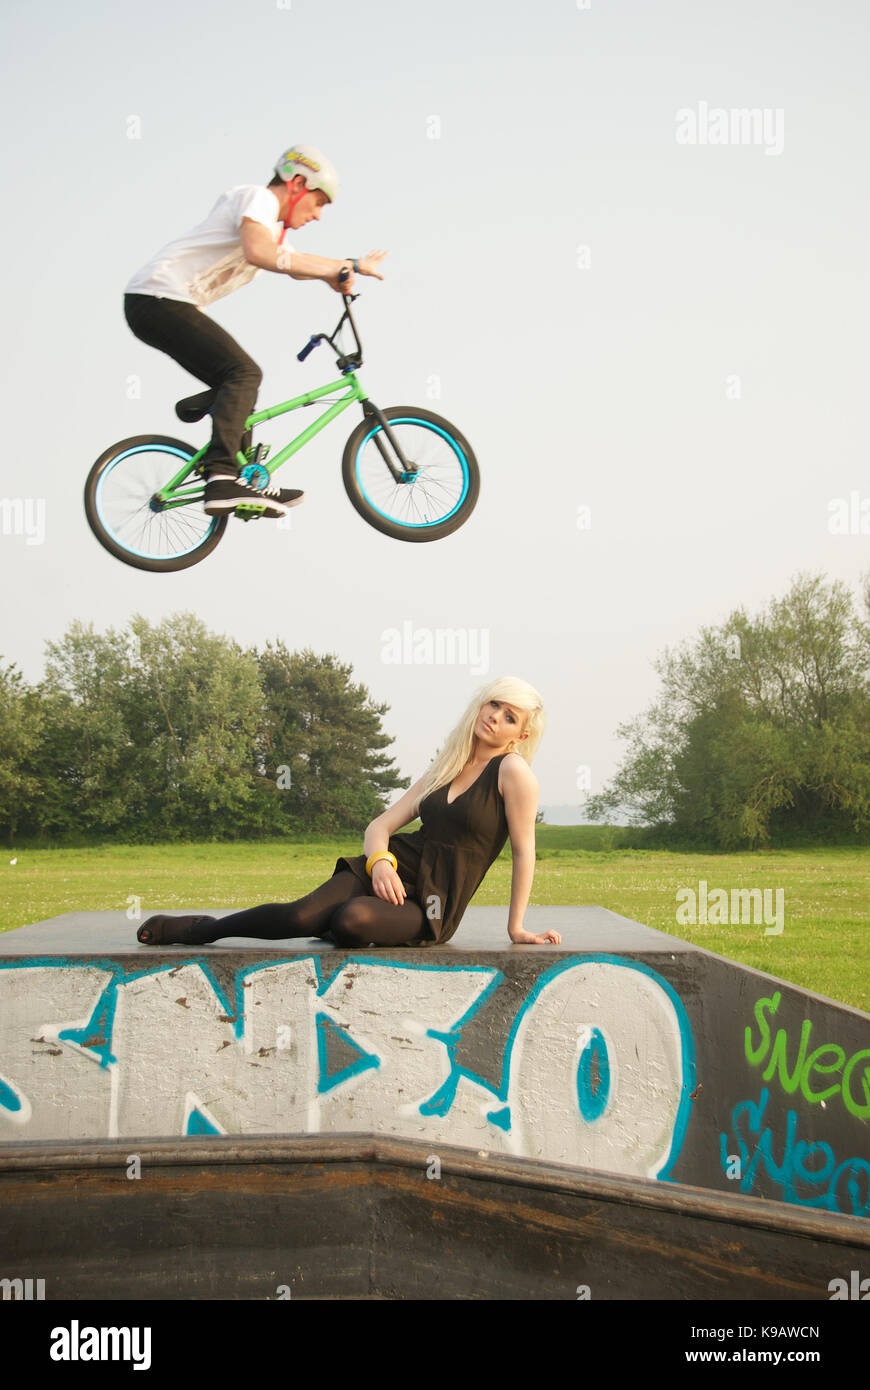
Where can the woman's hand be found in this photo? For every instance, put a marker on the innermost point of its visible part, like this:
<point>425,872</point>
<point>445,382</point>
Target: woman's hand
<point>386,883</point>
<point>527,938</point>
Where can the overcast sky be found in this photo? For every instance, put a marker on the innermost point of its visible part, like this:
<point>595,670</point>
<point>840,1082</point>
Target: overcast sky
<point>630,301</point>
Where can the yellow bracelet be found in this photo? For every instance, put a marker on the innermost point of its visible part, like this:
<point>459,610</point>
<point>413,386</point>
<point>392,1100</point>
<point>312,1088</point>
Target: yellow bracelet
<point>381,854</point>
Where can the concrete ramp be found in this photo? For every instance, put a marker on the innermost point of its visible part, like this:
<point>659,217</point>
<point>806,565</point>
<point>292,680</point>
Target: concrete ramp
<point>624,1051</point>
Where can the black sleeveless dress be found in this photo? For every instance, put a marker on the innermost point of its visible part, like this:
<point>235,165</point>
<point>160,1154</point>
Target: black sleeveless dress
<point>444,862</point>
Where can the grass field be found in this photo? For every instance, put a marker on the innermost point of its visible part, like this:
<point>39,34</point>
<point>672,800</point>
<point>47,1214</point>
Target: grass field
<point>825,944</point>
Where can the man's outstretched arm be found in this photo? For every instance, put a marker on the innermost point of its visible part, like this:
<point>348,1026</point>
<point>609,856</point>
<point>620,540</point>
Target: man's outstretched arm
<point>260,250</point>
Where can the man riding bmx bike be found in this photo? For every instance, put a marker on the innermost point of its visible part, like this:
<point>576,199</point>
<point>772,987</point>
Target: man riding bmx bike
<point>164,301</point>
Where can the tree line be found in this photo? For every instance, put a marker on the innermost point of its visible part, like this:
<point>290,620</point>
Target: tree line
<point>168,731</point>
<point>761,731</point>
<point>760,734</point>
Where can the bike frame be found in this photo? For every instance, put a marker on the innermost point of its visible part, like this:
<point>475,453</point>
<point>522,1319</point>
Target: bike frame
<point>172,494</point>
<point>353,393</point>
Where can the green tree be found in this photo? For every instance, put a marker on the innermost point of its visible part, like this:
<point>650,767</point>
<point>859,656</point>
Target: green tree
<point>325,732</point>
<point>761,729</point>
<point>167,730</point>
<point>85,753</point>
<point>20,734</point>
<point>192,702</point>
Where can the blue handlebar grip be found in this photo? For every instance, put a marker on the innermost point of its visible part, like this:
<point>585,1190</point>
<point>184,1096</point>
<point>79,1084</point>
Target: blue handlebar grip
<point>342,275</point>
<point>309,347</point>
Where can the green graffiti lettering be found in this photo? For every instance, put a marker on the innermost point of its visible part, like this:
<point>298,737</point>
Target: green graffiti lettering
<point>825,1061</point>
<point>825,1068</point>
<point>779,1059</point>
<point>755,1056</point>
<point>852,1105</point>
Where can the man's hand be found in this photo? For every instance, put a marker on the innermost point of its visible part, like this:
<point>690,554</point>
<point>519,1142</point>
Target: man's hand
<point>386,883</point>
<point>527,938</point>
<point>368,265</point>
<point>342,280</point>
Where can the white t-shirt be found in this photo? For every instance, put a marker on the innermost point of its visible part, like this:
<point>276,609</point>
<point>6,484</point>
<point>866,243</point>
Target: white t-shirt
<point>208,262</point>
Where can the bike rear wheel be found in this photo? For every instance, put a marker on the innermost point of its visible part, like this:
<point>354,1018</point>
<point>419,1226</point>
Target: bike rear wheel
<point>133,523</point>
<point>432,501</point>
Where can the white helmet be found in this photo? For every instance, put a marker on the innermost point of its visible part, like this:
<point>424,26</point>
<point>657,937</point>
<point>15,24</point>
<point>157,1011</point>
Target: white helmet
<point>313,166</point>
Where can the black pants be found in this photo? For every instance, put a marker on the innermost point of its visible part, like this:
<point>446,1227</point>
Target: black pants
<point>207,351</point>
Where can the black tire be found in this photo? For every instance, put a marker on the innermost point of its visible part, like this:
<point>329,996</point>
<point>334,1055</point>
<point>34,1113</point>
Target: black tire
<point>167,540</point>
<point>432,512</point>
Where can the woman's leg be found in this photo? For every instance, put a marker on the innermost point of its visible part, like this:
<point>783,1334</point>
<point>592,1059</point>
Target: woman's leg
<point>341,907</point>
<point>369,921</point>
<point>308,916</point>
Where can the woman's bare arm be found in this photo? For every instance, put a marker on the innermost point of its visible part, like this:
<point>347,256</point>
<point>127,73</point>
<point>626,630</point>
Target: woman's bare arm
<point>385,881</point>
<point>519,787</point>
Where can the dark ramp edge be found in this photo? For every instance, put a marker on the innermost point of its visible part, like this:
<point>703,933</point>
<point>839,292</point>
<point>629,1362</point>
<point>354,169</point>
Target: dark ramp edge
<point>356,1216</point>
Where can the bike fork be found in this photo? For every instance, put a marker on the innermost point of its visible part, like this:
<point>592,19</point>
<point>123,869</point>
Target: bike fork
<point>369,408</point>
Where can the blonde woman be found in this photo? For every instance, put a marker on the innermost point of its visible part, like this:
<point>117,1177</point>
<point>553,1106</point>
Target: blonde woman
<point>411,889</point>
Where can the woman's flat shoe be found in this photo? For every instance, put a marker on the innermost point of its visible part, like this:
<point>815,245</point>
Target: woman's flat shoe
<point>171,931</point>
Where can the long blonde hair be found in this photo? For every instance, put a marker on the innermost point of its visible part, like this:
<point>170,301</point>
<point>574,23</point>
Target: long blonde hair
<point>456,749</point>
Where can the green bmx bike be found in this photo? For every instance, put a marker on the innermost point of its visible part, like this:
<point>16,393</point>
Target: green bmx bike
<point>409,474</point>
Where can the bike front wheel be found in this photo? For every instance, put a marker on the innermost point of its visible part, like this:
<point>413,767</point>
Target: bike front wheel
<point>430,499</point>
<point>131,515</point>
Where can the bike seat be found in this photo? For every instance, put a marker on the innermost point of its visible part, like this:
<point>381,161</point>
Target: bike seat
<point>194,408</point>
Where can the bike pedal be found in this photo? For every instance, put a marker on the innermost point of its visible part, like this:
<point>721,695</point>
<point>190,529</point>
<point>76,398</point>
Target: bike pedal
<point>258,452</point>
<point>248,513</point>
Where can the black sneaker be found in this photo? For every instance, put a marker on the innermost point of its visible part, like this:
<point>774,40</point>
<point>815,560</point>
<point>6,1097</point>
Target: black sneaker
<point>225,494</point>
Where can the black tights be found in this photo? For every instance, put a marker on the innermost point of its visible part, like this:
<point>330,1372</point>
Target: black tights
<point>341,908</point>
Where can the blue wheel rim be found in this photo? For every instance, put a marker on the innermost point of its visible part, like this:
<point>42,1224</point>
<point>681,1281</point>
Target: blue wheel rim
<point>420,424</point>
<point>184,456</point>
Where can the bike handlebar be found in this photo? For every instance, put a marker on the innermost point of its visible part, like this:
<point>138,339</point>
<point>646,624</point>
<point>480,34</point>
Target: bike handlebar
<point>316,339</point>
<point>309,347</point>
